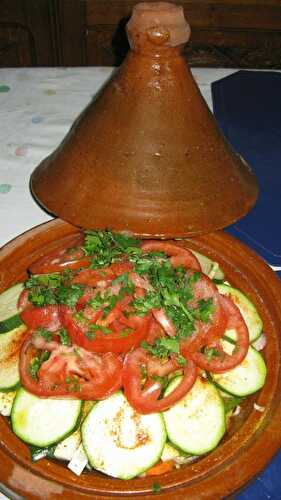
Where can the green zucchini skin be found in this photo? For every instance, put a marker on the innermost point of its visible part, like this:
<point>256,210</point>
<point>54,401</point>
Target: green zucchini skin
<point>247,309</point>
<point>9,312</point>
<point>10,345</point>
<point>209,267</point>
<point>197,423</point>
<point>43,421</point>
<point>246,378</point>
<point>119,441</point>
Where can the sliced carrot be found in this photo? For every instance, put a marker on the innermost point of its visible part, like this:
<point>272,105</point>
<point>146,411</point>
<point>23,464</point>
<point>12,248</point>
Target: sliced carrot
<point>160,468</point>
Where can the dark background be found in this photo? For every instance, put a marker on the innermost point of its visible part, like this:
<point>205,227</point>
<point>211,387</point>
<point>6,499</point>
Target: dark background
<point>225,33</point>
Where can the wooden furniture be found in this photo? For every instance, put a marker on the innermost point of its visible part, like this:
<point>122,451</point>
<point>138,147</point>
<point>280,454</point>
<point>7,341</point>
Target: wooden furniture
<point>225,33</point>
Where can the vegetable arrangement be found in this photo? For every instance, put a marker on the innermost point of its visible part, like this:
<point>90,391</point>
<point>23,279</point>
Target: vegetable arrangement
<point>162,349</point>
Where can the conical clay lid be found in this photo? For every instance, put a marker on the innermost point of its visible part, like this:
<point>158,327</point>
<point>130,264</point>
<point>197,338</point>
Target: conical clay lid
<point>146,155</point>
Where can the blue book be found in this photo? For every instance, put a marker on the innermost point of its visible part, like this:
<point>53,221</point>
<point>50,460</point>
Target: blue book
<point>247,106</point>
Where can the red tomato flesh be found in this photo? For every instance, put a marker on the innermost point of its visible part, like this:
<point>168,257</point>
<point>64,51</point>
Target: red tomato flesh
<point>71,372</point>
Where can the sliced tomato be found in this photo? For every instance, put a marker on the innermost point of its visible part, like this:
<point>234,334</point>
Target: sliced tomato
<point>145,399</point>
<point>88,294</point>
<point>23,301</point>
<point>159,368</point>
<point>164,321</point>
<point>116,312</point>
<point>204,289</point>
<point>222,361</point>
<point>46,317</point>
<point>155,331</point>
<point>114,341</point>
<point>102,276</point>
<point>68,256</point>
<point>179,256</point>
<point>93,277</point>
<point>71,372</point>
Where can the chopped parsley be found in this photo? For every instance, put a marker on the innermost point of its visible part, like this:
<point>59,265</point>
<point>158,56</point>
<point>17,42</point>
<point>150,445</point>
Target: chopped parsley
<point>206,309</point>
<point>143,305</point>
<point>73,384</point>
<point>106,247</point>
<point>93,327</point>
<point>44,333</point>
<point>163,347</point>
<point>38,453</point>
<point>52,289</point>
<point>156,488</point>
<point>64,337</point>
<point>231,403</point>
<point>70,295</point>
<point>211,353</point>
<point>90,335</point>
<point>34,367</point>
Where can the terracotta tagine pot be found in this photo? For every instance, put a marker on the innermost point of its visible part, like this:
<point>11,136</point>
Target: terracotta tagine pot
<point>146,155</point>
<point>244,450</point>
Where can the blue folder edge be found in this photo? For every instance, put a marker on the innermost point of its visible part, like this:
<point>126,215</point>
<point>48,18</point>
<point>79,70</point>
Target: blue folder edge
<point>247,106</point>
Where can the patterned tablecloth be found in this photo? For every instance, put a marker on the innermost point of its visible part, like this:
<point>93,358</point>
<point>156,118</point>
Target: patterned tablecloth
<point>37,108</point>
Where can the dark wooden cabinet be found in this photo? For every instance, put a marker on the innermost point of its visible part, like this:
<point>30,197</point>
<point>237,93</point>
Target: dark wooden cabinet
<point>229,33</point>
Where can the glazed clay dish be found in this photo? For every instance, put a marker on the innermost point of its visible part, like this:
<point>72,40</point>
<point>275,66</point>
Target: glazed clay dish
<point>147,155</point>
<point>244,451</point>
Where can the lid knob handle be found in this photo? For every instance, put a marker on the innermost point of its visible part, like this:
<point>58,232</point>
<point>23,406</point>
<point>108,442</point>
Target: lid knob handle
<point>155,25</point>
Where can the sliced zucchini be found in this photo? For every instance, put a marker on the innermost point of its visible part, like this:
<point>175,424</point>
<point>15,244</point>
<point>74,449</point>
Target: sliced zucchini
<point>209,267</point>
<point>6,402</point>
<point>247,309</point>
<point>169,452</point>
<point>196,424</point>
<point>10,345</point>
<point>119,441</point>
<point>44,421</point>
<point>244,379</point>
<point>9,312</point>
<point>66,448</point>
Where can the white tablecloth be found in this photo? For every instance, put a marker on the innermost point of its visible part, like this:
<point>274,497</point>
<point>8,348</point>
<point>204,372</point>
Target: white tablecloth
<point>37,108</point>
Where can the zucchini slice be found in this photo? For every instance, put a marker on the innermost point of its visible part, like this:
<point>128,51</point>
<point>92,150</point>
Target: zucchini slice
<point>196,424</point>
<point>66,448</point>
<point>209,267</point>
<point>246,378</point>
<point>119,441</point>
<point>6,403</point>
<point>44,421</point>
<point>247,309</point>
<point>10,345</point>
<point>9,312</point>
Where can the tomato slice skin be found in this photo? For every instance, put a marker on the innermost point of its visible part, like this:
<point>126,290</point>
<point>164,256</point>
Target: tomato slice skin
<point>102,343</point>
<point>205,289</point>
<point>224,361</point>
<point>47,317</point>
<point>67,256</point>
<point>145,400</point>
<point>179,256</point>
<point>23,300</point>
<point>97,377</point>
<point>92,277</point>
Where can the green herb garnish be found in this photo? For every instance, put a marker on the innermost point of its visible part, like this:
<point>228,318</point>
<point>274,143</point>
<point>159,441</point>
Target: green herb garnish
<point>34,367</point>
<point>156,488</point>
<point>64,337</point>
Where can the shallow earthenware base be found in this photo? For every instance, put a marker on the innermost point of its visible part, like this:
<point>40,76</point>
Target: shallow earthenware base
<point>243,452</point>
